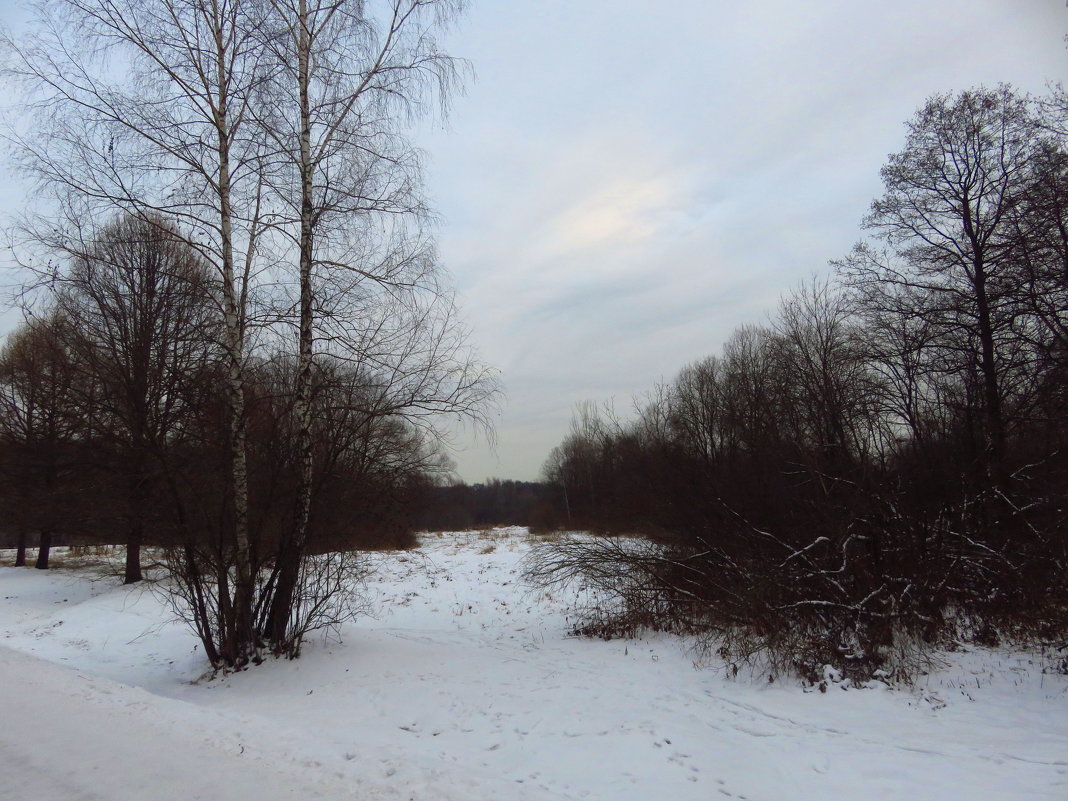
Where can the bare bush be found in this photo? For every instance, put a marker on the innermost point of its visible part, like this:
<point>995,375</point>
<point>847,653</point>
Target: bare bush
<point>330,592</point>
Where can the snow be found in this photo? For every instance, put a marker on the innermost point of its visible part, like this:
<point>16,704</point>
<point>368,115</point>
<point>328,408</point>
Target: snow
<point>465,686</point>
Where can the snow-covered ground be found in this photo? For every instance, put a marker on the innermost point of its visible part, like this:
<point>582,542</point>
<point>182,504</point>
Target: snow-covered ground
<point>466,686</point>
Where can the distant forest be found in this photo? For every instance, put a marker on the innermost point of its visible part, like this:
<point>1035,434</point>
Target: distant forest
<point>461,506</point>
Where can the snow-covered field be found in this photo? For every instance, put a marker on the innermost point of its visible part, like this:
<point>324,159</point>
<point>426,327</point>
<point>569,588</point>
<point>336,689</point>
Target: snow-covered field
<point>466,686</point>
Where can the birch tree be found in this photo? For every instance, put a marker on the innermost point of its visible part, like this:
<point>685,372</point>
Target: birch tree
<point>144,106</point>
<point>348,74</point>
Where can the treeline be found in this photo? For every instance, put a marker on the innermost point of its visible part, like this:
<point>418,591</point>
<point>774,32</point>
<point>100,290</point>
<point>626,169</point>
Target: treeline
<point>458,507</point>
<point>112,424</point>
<point>881,466</point>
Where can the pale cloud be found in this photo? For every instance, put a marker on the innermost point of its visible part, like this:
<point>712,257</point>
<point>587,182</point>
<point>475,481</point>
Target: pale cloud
<point>623,213</point>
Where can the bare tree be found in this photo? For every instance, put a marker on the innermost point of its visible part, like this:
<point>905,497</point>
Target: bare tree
<point>830,383</point>
<point>1040,251</point>
<point>947,211</point>
<point>40,417</point>
<point>348,74</point>
<point>251,123</point>
<point>881,467</point>
<point>136,298</point>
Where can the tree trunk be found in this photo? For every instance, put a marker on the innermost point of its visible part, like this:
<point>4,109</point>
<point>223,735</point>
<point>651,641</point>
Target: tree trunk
<point>291,551</point>
<point>993,422</point>
<point>43,549</point>
<point>20,549</point>
<point>134,540</point>
<point>239,647</point>
<point>137,498</point>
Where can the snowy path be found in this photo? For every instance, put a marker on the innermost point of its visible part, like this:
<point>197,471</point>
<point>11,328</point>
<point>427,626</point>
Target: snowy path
<point>465,687</point>
<point>68,735</point>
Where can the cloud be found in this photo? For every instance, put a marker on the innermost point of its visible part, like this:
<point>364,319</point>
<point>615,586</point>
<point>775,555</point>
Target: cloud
<point>625,212</point>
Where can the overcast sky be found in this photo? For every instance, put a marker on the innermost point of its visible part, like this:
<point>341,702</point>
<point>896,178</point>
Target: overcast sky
<point>626,182</point>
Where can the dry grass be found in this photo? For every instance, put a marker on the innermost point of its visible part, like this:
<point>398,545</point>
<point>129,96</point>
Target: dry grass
<point>538,537</point>
<point>487,539</point>
<point>100,561</point>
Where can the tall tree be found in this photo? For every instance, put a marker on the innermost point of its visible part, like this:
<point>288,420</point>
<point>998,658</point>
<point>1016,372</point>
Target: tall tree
<point>40,423</point>
<point>1040,250</point>
<point>136,297</point>
<point>947,213</point>
<point>347,75</point>
<point>169,132</point>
